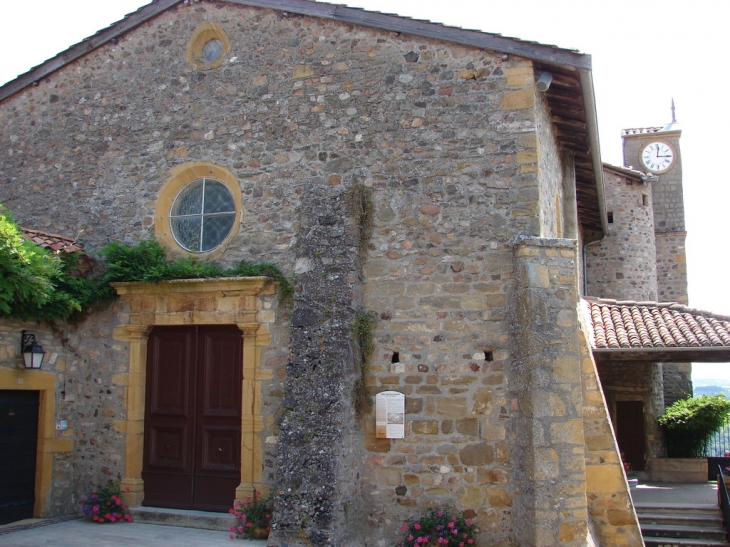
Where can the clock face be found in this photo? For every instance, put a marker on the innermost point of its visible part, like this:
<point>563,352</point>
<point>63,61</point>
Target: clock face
<point>658,157</point>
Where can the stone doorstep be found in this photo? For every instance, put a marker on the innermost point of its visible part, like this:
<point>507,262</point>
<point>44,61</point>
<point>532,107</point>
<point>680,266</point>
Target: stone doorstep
<point>677,508</point>
<point>686,532</point>
<point>677,542</point>
<point>710,520</point>
<point>203,520</point>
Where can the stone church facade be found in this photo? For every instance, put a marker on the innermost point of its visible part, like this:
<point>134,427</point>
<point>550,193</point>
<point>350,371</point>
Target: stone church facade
<point>485,194</point>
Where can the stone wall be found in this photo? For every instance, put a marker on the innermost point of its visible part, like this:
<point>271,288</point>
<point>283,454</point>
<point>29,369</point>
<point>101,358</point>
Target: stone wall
<point>609,501</point>
<point>637,381</point>
<point>672,267</point>
<point>83,360</point>
<point>545,383</point>
<point>623,266</point>
<point>320,446</point>
<point>550,173</point>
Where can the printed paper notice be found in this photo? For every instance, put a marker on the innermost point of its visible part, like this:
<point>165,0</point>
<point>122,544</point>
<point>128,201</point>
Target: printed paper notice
<point>390,414</point>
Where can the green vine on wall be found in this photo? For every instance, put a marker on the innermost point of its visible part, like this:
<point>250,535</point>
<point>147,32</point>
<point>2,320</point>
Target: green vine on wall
<point>362,331</point>
<point>36,284</point>
<point>360,206</point>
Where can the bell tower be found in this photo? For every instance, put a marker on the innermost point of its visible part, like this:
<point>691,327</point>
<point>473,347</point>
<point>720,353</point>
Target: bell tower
<point>656,150</point>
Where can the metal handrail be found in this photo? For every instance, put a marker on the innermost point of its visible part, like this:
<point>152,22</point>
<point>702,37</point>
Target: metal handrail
<point>723,499</point>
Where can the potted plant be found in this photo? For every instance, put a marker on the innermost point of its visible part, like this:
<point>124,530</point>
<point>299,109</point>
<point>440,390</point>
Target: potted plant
<point>106,504</point>
<point>253,518</point>
<point>438,528</point>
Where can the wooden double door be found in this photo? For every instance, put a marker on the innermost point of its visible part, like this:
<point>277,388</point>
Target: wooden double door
<point>192,438</point>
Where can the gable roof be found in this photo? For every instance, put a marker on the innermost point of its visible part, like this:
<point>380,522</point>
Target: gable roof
<point>570,97</point>
<point>355,16</point>
<point>641,331</point>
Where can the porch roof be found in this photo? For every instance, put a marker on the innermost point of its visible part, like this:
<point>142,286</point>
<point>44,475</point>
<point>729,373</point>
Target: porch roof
<point>652,331</point>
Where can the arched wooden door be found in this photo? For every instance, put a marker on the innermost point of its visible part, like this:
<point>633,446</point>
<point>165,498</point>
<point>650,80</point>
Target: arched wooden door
<point>192,439</point>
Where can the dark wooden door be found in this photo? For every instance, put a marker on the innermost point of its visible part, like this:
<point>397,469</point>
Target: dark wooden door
<point>192,440</point>
<point>18,446</point>
<point>630,432</point>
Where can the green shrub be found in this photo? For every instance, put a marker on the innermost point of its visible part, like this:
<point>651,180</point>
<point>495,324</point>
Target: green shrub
<point>689,424</point>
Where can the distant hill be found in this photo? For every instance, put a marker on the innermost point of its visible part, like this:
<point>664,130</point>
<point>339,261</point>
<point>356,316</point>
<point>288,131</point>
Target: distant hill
<point>711,390</point>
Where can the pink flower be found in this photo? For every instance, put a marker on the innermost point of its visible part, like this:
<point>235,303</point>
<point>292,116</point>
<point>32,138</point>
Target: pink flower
<point>468,522</point>
<point>417,526</point>
<point>231,537</point>
<point>470,541</point>
<point>403,527</point>
<point>451,524</point>
<point>410,537</point>
<point>231,511</point>
<point>461,544</point>
<point>232,529</point>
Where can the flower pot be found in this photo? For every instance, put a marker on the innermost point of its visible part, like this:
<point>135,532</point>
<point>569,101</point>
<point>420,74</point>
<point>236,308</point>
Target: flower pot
<point>260,533</point>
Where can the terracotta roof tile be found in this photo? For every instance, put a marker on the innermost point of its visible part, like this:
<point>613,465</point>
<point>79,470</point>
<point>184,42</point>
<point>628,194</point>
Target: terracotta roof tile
<point>630,325</point>
<point>54,242</point>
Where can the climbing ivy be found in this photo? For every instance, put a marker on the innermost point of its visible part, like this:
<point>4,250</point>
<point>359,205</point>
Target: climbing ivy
<point>360,206</point>
<point>36,284</point>
<point>362,331</point>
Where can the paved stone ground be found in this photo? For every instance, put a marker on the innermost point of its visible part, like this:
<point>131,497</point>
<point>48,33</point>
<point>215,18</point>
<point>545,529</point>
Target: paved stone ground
<point>83,533</point>
<point>674,492</point>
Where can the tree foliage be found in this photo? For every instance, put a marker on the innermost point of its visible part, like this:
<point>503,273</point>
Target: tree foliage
<point>689,424</point>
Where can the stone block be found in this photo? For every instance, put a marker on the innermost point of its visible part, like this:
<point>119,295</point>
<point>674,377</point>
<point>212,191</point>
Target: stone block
<point>453,407</point>
<point>468,426</point>
<point>498,497</point>
<point>425,427</point>
<point>477,454</point>
<point>518,99</point>
<point>486,476</point>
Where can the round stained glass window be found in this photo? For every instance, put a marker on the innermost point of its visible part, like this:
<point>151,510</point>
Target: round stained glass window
<point>202,215</point>
<point>212,50</point>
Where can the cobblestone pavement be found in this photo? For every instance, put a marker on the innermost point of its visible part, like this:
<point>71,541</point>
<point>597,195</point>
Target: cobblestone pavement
<point>83,533</point>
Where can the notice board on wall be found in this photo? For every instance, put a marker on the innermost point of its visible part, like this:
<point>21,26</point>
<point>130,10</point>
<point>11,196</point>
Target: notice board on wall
<point>390,415</point>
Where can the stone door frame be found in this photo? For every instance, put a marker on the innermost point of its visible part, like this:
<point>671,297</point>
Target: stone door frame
<point>222,301</point>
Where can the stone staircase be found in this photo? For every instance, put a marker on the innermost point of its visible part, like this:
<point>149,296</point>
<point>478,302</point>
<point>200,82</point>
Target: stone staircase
<point>180,517</point>
<point>681,525</point>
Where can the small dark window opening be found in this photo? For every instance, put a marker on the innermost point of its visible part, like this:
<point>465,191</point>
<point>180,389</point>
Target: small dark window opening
<point>644,200</point>
<point>488,356</point>
<point>610,217</point>
<point>395,358</point>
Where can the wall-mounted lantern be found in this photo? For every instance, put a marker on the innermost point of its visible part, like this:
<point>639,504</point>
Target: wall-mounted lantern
<point>32,351</point>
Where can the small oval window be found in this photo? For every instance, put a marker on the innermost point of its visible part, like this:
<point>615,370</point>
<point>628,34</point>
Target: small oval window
<point>202,215</point>
<point>212,50</point>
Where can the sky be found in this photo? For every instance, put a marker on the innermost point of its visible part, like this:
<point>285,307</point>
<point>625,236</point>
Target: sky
<point>645,53</point>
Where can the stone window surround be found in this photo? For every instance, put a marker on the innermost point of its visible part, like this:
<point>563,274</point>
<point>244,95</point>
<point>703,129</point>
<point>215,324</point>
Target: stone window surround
<point>180,177</point>
<point>201,36</point>
<point>48,444</point>
<point>221,301</point>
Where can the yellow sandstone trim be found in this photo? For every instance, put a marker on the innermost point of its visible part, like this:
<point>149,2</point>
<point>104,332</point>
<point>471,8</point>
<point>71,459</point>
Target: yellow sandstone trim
<point>201,36</point>
<point>223,301</point>
<point>48,444</point>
